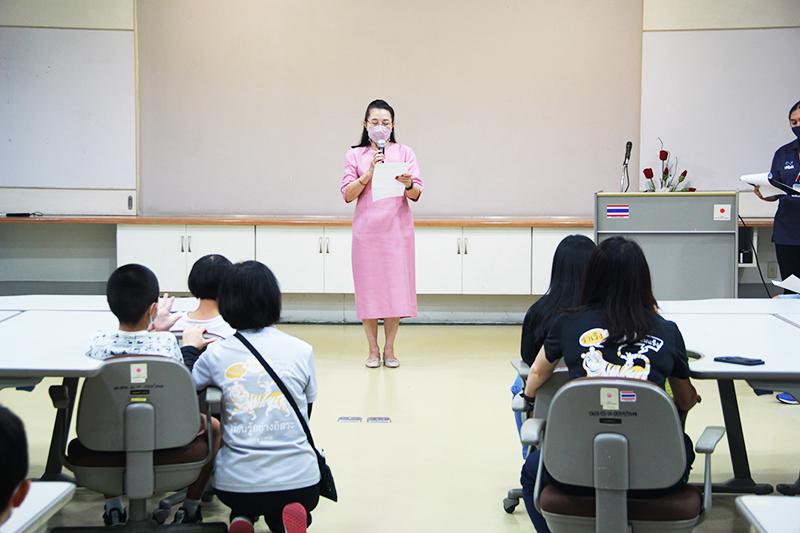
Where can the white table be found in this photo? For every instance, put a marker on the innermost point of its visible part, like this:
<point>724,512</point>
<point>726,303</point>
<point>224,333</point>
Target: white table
<point>771,514</point>
<point>758,329</point>
<point>42,502</point>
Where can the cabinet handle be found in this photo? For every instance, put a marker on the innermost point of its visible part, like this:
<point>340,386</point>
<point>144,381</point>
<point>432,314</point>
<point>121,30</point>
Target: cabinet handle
<point>189,241</point>
<point>458,252</point>
<point>182,237</point>
<point>466,242</point>
<point>327,245</point>
<point>320,245</point>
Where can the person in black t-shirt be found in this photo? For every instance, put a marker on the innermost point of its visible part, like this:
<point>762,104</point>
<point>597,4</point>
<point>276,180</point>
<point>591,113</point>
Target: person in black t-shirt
<point>617,332</point>
<point>569,264</point>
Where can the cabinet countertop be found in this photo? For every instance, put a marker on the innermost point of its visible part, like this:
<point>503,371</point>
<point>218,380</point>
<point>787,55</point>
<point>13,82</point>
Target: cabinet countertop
<point>247,220</point>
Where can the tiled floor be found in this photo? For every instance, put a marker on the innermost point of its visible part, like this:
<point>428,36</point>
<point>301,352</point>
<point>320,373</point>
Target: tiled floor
<point>451,452</point>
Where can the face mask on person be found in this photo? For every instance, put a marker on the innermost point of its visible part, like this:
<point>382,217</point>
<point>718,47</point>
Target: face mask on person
<point>796,131</point>
<point>379,133</point>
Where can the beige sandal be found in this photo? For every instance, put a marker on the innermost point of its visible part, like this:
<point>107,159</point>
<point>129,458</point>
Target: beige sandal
<point>391,363</point>
<point>373,362</point>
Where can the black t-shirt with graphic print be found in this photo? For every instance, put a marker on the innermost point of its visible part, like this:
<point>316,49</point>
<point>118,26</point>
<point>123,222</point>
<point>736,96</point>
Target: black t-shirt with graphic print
<point>579,339</point>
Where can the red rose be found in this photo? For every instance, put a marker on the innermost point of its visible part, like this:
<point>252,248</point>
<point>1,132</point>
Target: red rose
<point>692,189</point>
<point>663,155</point>
<point>648,173</point>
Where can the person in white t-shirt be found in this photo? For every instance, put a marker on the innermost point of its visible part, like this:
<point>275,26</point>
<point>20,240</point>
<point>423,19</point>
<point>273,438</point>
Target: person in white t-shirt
<point>266,461</point>
<point>204,280</point>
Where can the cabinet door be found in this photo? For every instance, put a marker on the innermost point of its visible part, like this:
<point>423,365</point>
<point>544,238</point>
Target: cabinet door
<point>159,248</point>
<point>497,261</point>
<point>438,260</point>
<point>295,255</point>
<point>237,243</point>
<point>338,260</point>
<point>545,242</point>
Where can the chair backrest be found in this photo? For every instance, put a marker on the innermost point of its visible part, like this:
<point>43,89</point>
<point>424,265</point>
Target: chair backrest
<point>633,416</point>
<point>158,391</point>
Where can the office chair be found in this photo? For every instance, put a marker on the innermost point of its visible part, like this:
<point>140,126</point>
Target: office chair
<point>543,398</point>
<point>137,427</point>
<point>616,435</point>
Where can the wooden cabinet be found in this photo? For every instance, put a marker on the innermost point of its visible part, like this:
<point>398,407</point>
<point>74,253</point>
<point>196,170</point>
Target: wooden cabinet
<point>473,260</point>
<point>317,260</point>
<point>307,260</point>
<point>171,250</point>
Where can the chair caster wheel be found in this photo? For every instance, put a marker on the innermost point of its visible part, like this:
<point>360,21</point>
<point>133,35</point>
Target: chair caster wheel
<point>509,505</point>
<point>161,515</point>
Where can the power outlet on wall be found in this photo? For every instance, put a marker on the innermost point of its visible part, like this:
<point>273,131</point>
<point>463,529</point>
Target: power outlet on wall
<point>772,270</point>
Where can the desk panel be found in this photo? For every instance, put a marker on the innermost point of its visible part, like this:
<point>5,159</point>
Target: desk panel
<point>51,343</point>
<point>761,336</point>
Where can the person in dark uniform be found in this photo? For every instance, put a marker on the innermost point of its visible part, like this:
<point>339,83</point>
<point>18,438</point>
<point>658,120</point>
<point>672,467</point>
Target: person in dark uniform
<point>786,228</point>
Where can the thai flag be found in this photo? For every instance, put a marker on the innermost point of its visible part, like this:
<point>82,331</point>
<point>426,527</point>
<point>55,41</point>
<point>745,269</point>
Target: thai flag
<point>618,211</point>
<point>627,396</point>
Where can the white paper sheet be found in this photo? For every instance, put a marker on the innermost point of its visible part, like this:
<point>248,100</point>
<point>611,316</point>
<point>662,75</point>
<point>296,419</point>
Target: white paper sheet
<point>792,283</point>
<point>384,184</point>
<point>762,180</point>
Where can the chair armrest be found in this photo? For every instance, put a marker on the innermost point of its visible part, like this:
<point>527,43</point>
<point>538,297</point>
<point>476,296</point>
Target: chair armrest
<point>59,395</point>
<point>521,368</point>
<point>532,431</point>
<point>518,404</point>
<point>709,439</point>
<point>706,445</point>
<point>213,396</point>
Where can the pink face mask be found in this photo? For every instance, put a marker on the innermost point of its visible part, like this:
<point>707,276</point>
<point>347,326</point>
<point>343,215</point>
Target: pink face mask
<point>379,133</point>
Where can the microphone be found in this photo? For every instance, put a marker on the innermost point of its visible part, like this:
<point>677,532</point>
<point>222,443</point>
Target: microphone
<point>382,146</point>
<point>623,187</point>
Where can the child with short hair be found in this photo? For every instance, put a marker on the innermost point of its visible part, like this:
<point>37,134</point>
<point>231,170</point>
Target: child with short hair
<point>132,293</point>
<point>13,463</point>
<point>204,281</point>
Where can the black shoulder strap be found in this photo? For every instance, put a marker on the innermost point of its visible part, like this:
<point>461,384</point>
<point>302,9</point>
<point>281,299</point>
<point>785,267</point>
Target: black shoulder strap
<point>280,384</point>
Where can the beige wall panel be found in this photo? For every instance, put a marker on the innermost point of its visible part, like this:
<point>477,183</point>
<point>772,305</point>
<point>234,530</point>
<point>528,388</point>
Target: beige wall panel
<point>720,14</point>
<point>512,108</point>
<point>88,14</point>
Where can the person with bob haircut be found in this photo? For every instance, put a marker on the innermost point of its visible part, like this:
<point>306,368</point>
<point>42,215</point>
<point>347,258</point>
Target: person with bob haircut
<point>569,264</point>
<point>13,463</point>
<point>204,279</point>
<point>383,233</point>
<point>617,301</point>
<point>266,462</point>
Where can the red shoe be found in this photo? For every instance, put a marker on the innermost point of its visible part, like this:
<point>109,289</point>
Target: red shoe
<point>241,525</point>
<point>294,518</point>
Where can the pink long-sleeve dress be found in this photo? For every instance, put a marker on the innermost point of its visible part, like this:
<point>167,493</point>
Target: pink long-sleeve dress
<point>383,241</point>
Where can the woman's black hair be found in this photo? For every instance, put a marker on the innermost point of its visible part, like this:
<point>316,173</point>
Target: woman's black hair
<point>794,108</point>
<point>617,281</point>
<point>13,455</point>
<point>375,104</point>
<point>249,296</point>
<point>130,291</point>
<point>206,275</point>
<point>569,263</point>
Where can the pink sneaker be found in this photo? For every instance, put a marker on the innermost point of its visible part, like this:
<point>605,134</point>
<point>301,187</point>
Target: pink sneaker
<point>241,525</point>
<point>294,518</point>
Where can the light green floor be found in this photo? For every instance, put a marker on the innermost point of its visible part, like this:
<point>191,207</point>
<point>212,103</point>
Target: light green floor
<point>451,451</point>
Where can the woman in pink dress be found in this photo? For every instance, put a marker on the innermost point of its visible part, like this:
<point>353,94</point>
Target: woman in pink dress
<point>383,233</point>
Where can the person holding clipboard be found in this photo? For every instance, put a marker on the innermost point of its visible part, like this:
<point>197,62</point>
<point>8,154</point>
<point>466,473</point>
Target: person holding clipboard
<point>383,231</point>
<point>786,227</point>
